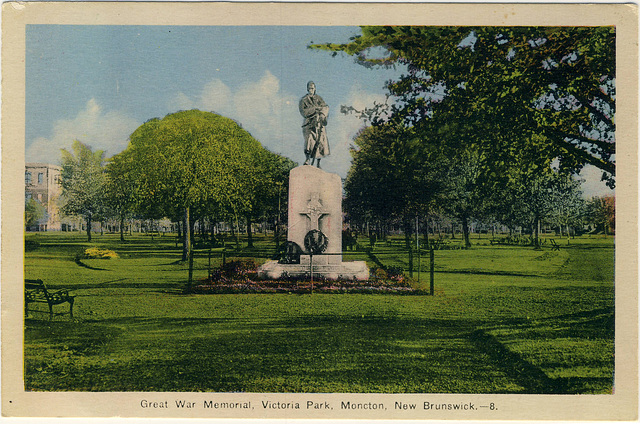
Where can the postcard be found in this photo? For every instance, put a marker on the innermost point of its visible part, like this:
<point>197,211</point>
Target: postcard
<point>319,211</point>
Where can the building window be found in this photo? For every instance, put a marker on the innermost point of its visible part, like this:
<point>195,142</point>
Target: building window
<point>40,178</point>
<point>27,177</point>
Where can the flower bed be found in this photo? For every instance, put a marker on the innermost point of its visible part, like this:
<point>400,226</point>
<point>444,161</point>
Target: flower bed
<point>240,277</point>
<point>335,287</point>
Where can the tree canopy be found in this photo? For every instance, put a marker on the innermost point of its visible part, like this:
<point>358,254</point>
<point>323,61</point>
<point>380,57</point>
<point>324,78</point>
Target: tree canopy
<point>83,181</point>
<point>501,86</point>
<point>197,164</point>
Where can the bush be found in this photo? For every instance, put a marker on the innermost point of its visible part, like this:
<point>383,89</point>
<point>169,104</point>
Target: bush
<point>97,253</point>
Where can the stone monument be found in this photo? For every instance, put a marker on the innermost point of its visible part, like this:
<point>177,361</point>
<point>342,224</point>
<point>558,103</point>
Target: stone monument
<point>314,240</point>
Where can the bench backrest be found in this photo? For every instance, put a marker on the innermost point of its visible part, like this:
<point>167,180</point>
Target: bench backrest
<point>34,285</point>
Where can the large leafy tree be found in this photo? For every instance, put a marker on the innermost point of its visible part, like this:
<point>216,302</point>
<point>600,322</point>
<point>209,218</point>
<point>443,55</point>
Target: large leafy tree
<point>502,86</point>
<point>119,193</point>
<point>467,189</point>
<point>83,182</point>
<point>394,176</point>
<point>193,162</point>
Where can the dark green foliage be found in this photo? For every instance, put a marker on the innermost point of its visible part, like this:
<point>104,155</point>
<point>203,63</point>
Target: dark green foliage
<point>501,87</point>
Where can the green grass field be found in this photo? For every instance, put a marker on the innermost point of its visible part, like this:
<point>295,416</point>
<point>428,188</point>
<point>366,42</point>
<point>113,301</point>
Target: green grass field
<point>504,319</point>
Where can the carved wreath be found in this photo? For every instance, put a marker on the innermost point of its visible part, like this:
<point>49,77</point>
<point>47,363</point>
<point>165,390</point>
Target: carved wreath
<point>315,242</point>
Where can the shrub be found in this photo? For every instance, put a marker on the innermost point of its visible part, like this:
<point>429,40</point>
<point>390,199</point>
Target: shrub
<point>379,273</point>
<point>97,253</point>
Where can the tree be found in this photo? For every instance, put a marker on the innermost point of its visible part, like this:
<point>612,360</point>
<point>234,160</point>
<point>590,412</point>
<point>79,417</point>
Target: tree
<point>568,205</point>
<point>83,182</point>
<point>119,197</point>
<point>33,212</point>
<point>193,162</point>
<point>467,188</point>
<point>503,85</point>
<point>394,175</point>
<point>269,183</point>
<point>601,212</point>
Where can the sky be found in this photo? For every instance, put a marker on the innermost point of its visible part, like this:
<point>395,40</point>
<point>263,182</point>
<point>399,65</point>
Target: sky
<point>97,84</point>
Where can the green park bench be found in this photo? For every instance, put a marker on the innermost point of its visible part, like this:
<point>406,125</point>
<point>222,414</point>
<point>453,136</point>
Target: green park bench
<point>554,245</point>
<point>35,291</point>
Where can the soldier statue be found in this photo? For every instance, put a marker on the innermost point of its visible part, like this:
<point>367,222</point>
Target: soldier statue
<point>315,111</point>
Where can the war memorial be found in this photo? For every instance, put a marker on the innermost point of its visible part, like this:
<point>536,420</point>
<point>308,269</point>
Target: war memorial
<point>314,240</point>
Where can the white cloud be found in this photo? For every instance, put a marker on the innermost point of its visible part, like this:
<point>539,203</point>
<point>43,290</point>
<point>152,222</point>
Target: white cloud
<point>261,107</point>
<point>108,131</point>
<point>215,96</point>
<point>592,184</point>
<point>342,128</point>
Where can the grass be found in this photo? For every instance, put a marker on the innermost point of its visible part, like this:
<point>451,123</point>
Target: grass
<point>504,319</point>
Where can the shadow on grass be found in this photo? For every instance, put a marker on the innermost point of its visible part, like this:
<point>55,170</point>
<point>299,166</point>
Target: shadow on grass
<point>82,264</point>
<point>314,353</point>
<point>478,272</point>
<point>532,378</point>
<point>597,324</point>
<point>173,288</point>
<point>304,354</point>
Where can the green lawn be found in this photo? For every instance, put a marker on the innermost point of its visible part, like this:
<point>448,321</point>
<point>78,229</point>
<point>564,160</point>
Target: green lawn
<point>503,319</point>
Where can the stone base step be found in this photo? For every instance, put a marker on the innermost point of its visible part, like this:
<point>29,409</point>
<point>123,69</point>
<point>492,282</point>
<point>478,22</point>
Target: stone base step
<point>356,270</point>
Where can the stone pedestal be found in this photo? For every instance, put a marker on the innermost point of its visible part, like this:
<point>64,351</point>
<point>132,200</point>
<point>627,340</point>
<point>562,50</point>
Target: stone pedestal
<point>315,203</point>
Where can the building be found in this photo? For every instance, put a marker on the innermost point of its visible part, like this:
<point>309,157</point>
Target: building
<point>42,183</point>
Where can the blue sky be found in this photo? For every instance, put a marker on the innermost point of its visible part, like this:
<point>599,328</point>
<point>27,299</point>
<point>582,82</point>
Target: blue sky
<point>97,84</point>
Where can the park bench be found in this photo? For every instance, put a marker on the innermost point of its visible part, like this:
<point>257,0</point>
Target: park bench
<point>35,291</point>
<point>554,245</point>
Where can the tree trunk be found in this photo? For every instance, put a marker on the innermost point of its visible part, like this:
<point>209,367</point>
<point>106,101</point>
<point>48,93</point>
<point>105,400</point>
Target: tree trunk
<point>407,243</point>
<point>465,231</point>
<point>237,232</point>
<point>186,244</point>
<point>426,237</point>
<point>212,230</point>
<point>89,228</point>
<point>192,228</point>
<point>276,236</point>
<point>536,229</point>
<point>453,231</point>
<point>249,231</point>
<point>122,228</point>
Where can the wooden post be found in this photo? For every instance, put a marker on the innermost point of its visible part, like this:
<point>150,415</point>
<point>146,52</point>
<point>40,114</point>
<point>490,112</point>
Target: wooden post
<point>311,270</point>
<point>419,265</point>
<point>432,265</point>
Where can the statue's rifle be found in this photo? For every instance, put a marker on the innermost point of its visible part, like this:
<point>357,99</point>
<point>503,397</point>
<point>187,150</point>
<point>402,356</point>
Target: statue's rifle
<point>318,130</point>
